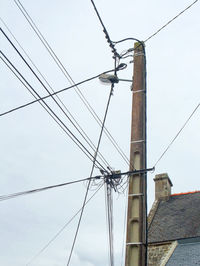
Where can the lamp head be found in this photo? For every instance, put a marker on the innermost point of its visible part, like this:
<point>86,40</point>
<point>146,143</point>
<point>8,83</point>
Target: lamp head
<point>108,79</point>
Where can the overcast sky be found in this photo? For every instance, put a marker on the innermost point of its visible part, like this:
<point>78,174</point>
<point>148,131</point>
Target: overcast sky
<point>35,152</point>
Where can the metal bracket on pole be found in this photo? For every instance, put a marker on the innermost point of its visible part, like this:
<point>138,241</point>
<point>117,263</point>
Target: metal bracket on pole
<point>137,141</point>
<point>136,195</point>
<point>138,91</point>
<point>138,54</point>
<point>134,172</point>
<point>134,244</point>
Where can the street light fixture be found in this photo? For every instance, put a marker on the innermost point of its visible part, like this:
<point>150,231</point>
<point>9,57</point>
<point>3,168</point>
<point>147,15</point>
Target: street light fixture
<point>109,79</point>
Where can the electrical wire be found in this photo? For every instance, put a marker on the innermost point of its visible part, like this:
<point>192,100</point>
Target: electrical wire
<point>67,130</point>
<point>69,78</point>
<point>141,43</point>
<point>65,225</point>
<point>106,207</point>
<point>155,33</point>
<point>47,96</point>
<point>176,136</point>
<point>130,39</point>
<point>28,192</point>
<point>69,116</point>
<point>24,86</point>
<point>109,216</point>
<point>170,21</point>
<point>57,103</point>
<point>93,165</point>
<point>46,109</point>
<point>62,229</point>
<point>114,51</point>
<point>54,57</point>
<point>124,232</point>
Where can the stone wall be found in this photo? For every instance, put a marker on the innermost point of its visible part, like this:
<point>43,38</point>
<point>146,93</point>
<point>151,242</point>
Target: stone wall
<point>158,252</point>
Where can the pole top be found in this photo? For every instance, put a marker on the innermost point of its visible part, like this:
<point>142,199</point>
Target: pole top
<point>139,45</point>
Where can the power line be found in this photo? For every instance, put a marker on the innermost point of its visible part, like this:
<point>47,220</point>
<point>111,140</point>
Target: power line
<point>55,58</point>
<point>83,135</point>
<point>170,21</point>
<point>43,40</point>
<point>109,216</point>
<point>62,228</point>
<point>44,105</point>
<point>24,86</point>
<point>47,96</point>
<point>124,230</point>
<point>28,192</point>
<point>71,118</point>
<point>46,109</point>
<point>179,132</point>
<point>86,194</point>
<point>89,143</point>
<point>67,130</point>
<point>69,78</point>
<point>112,46</point>
<point>73,217</point>
<point>57,103</point>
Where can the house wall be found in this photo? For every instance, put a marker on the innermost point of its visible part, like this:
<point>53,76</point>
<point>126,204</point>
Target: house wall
<point>158,252</point>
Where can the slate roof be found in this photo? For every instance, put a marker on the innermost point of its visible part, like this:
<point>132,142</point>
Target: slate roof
<point>185,254</point>
<point>176,218</point>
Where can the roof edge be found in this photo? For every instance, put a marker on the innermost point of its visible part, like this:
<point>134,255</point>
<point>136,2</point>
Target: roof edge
<point>185,193</point>
<point>177,239</point>
<point>152,212</point>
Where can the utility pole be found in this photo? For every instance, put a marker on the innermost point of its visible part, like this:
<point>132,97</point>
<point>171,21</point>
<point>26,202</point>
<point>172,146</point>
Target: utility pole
<point>136,239</point>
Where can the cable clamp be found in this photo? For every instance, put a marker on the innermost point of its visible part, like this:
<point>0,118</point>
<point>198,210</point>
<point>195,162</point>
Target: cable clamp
<point>134,244</point>
<point>138,91</point>
<point>138,54</point>
<point>136,195</point>
<point>138,141</point>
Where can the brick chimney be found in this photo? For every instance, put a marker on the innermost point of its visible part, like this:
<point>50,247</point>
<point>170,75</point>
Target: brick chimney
<point>163,186</point>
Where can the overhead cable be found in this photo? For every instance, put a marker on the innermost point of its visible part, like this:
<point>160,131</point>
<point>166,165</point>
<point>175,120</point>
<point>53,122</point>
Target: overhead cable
<point>52,94</point>
<point>57,103</point>
<point>67,130</point>
<point>124,228</point>
<point>41,103</point>
<point>69,78</point>
<point>140,43</point>
<point>69,114</point>
<point>170,21</point>
<point>28,192</point>
<point>62,229</point>
<point>109,218</point>
<point>92,170</point>
<point>176,136</point>
<point>112,46</point>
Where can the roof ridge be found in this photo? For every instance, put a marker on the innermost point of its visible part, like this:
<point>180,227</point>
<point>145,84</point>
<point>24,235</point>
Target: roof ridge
<point>185,193</point>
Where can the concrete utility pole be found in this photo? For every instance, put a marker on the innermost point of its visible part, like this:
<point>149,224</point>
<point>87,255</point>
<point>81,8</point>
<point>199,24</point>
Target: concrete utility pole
<point>136,248</point>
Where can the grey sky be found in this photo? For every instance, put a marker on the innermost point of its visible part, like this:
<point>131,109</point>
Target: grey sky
<point>34,150</point>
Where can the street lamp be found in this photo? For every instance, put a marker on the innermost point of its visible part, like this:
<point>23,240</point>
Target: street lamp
<point>109,79</point>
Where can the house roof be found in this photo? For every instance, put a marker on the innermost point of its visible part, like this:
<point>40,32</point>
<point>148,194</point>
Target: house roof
<point>176,218</point>
<point>185,254</point>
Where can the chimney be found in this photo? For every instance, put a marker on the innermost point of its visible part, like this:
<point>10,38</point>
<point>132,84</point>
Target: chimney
<point>163,186</point>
